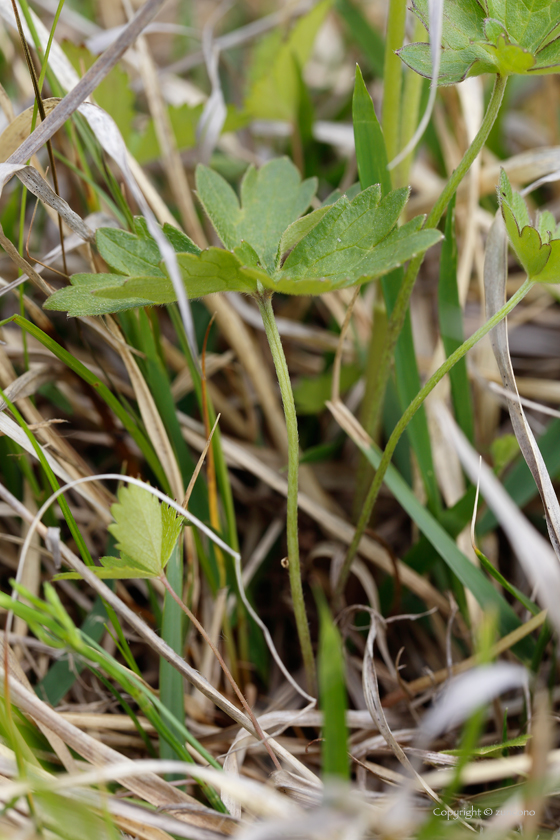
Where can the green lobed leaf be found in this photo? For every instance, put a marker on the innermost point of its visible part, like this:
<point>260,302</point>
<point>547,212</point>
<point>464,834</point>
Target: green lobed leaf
<point>146,532</point>
<point>128,253</point>
<point>536,247</point>
<point>495,36</point>
<point>356,240</point>
<point>335,246</point>
<point>272,197</point>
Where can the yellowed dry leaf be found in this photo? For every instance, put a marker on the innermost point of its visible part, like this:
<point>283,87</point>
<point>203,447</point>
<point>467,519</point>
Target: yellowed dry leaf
<point>13,136</point>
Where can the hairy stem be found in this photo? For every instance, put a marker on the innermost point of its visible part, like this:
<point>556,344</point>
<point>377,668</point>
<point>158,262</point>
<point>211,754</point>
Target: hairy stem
<point>405,420</point>
<point>265,305</point>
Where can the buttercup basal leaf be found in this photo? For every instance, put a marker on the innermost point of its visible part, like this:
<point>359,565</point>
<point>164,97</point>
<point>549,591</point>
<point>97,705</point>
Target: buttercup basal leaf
<point>490,36</point>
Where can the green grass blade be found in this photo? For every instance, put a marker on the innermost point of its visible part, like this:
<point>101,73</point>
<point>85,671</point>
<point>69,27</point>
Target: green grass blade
<point>332,694</point>
<point>371,157</point>
<point>451,326</point>
<point>171,690</point>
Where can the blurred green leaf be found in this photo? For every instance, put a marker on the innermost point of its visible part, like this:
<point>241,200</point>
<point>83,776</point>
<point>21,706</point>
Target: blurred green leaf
<point>275,92</point>
<point>114,93</point>
<point>504,449</point>
<point>369,40</point>
<point>310,395</point>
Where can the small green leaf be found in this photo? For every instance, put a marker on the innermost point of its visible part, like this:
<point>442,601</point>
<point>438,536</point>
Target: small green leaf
<point>146,532</point>
<point>536,248</point>
<point>128,253</point>
<point>272,197</point>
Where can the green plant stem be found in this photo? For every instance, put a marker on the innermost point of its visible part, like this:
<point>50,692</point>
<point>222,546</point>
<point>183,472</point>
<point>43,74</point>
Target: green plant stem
<point>405,420</point>
<point>412,95</point>
<point>265,305</point>
<point>392,76</point>
<point>400,309</point>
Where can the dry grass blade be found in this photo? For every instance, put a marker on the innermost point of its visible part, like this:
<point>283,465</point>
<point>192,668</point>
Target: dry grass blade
<point>539,562</point>
<point>39,187</point>
<point>87,84</point>
<point>495,279</point>
<point>375,708</point>
<point>150,415</point>
<point>149,786</point>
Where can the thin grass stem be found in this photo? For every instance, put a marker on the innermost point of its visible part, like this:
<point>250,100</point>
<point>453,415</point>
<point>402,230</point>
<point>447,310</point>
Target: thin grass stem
<point>401,426</point>
<point>392,76</point>
<point>400,309</point>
